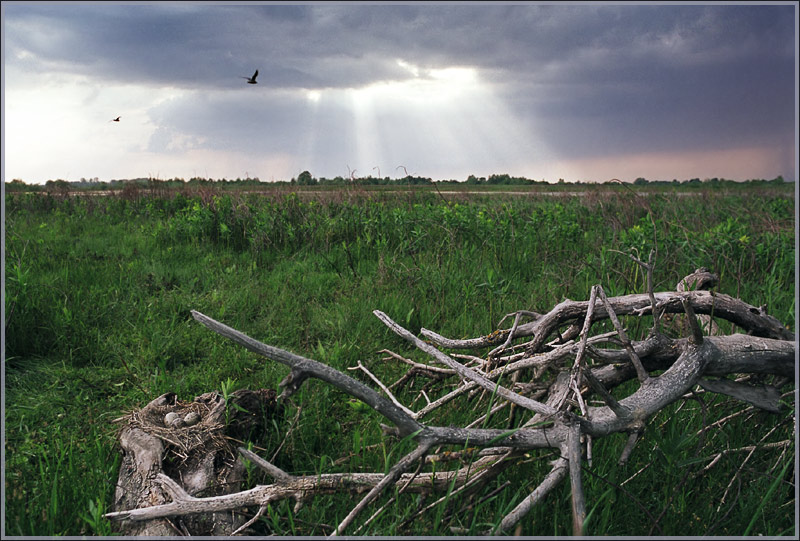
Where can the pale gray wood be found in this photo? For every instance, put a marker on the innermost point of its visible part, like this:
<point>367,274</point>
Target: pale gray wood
<point>684,363</point>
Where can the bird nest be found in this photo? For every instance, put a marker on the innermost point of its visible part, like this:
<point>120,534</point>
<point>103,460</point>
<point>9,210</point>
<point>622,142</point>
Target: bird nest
<point>181,441</point>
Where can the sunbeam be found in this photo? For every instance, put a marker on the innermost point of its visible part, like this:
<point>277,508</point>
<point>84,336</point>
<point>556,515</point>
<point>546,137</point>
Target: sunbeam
<point>448,118</point>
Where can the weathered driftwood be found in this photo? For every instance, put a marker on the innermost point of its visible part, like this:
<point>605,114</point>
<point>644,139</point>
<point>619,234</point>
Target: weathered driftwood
<point>158,441</point>
<point>557,410</point>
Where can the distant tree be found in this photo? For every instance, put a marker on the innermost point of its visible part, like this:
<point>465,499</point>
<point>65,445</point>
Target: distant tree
<point>16,185</point>
<point>640,181</point>
<point>58,186</point>
<point>499,179</point>
<point>305,179</point>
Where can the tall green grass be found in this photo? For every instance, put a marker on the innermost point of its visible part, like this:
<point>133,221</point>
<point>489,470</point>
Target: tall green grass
<point>99,290</point>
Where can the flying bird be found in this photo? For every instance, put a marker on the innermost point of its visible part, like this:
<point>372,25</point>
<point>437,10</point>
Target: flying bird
<point>115,119</point>
<point>251,80</point>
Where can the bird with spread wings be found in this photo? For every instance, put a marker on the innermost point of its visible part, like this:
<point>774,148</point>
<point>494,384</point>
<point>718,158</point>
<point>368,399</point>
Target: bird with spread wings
<point>251,80</point>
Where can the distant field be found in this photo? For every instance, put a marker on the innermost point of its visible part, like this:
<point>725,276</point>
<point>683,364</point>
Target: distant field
<point>450,191</point>
<point>98,293</point>
<point>155,186</point>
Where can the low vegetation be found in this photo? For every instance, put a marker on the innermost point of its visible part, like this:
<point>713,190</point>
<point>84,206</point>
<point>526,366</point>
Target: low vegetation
<point>98,300</point>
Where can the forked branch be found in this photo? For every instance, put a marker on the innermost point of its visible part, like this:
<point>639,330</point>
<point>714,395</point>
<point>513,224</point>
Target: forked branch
<point>561,370</point>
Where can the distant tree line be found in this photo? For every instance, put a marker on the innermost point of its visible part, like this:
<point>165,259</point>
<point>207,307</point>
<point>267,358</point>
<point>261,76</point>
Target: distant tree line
<point>306,179</point>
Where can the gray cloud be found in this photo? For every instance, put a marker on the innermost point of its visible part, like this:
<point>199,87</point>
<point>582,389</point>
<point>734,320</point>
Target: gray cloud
<point>200,44</point>
<point>256,122</point>
<point>595,78</point>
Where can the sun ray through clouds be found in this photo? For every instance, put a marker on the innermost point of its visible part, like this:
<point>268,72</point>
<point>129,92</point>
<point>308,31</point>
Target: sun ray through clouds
<point>448,116</point>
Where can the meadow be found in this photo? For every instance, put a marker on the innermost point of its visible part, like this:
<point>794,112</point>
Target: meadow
<point>98,294</point>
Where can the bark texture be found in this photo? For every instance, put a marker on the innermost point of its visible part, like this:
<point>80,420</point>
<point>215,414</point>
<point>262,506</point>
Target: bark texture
<point>198,455</point>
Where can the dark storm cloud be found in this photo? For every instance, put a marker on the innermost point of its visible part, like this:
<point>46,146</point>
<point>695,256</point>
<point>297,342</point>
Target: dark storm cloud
<point>594,79</point>
<point>346,45</point>
<point>195,46</point>
<point>655,77</point>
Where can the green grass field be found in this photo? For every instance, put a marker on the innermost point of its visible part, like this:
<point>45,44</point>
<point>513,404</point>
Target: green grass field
<point>98,294</point>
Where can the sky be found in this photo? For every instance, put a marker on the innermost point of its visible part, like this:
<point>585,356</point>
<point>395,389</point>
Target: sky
<point>581,91</point>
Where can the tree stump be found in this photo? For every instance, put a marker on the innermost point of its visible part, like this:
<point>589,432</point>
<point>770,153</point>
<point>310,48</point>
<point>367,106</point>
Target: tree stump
<point>191,443</point>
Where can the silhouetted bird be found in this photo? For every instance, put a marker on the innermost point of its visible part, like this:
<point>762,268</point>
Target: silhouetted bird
<point>251,80</point>
<point>115,119</point>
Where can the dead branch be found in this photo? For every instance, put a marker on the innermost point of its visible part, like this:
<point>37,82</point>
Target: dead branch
<point>564,393</point>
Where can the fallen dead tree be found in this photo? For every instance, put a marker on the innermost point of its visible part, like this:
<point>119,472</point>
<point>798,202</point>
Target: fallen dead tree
<point>548,369</point>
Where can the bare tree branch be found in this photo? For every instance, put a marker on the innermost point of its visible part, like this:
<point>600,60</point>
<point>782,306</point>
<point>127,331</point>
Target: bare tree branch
<point>304,367</point>
<point>577,376</point>
<point>556,475</point>
<point>394,473</point>
<point>463,371</point>
<point>574,455</point>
